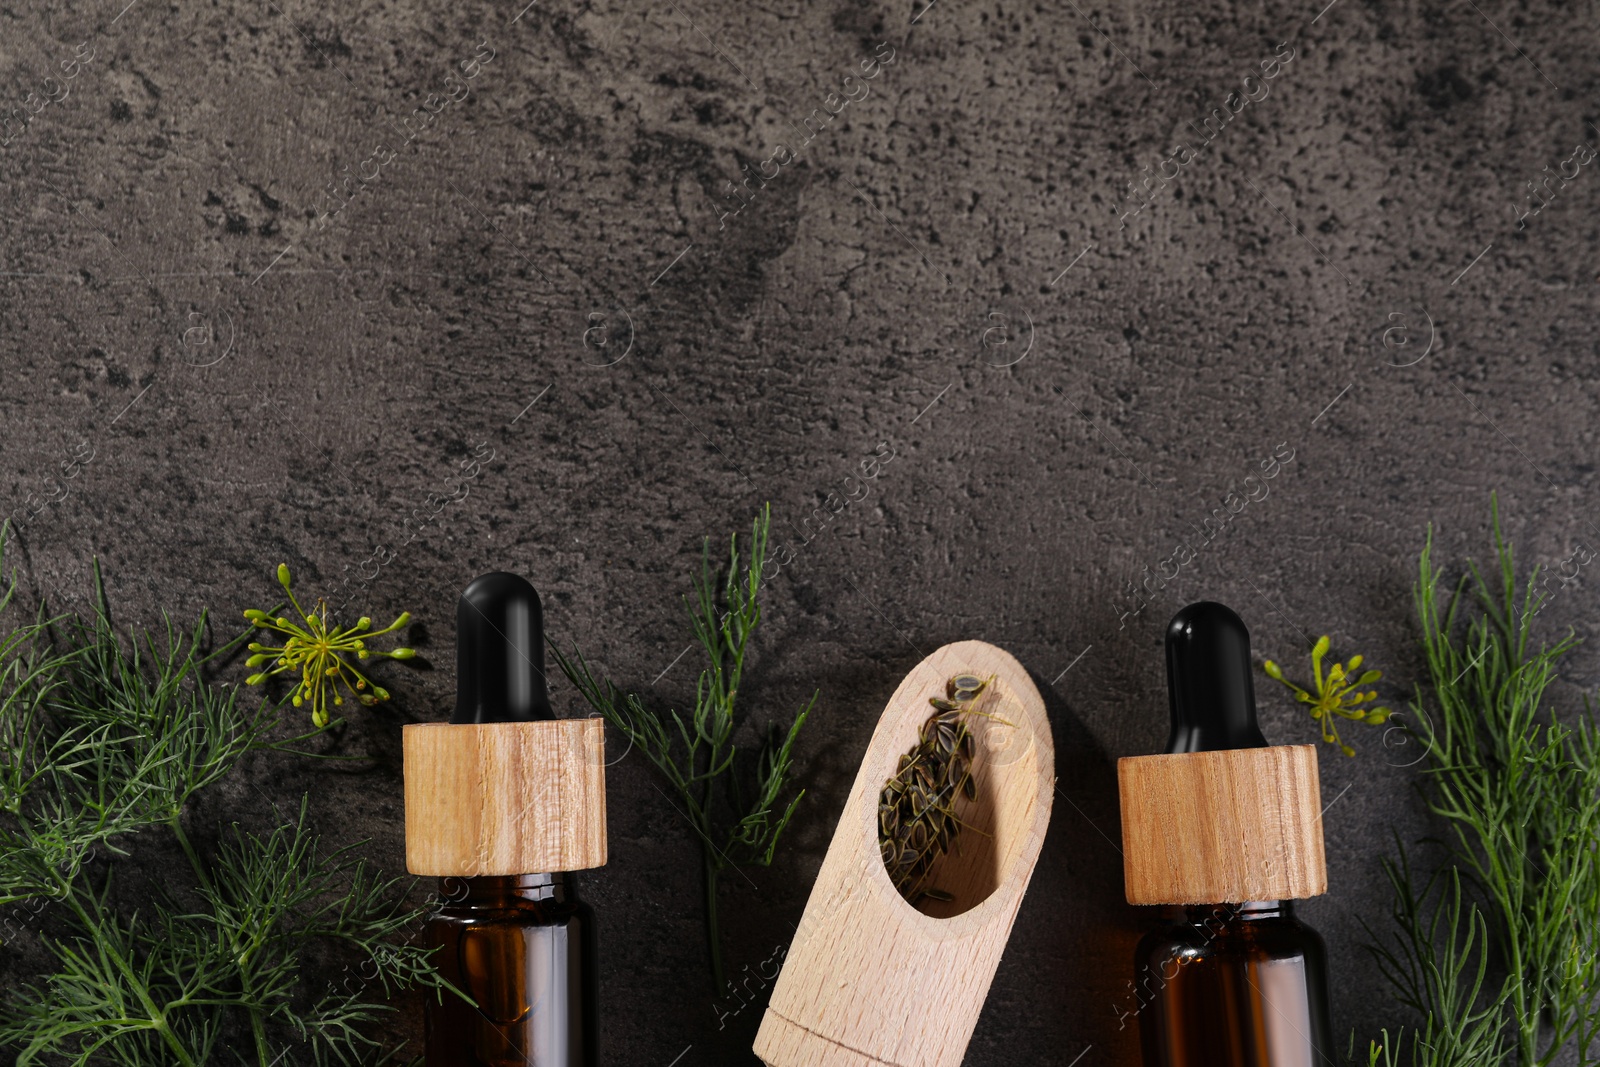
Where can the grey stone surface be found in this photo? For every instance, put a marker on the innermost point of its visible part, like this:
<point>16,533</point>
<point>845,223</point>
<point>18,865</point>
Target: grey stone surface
<point>549,272</point>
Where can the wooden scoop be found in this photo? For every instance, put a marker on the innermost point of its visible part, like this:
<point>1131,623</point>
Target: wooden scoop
<point>870,979</point>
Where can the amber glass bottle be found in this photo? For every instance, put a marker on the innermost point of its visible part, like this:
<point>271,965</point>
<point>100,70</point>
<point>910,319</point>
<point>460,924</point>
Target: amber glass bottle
<point>1226,985</point>
<point>523,948</point>
<point>1234,985</point>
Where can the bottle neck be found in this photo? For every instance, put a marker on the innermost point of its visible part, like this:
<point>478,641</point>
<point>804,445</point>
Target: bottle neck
<point>1247,911</point>
<point>493,890</point>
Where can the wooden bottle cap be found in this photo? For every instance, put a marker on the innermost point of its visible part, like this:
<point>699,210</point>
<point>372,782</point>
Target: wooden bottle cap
<point>505,797</point>
<point>1222,827</point>
<point>869,980</point>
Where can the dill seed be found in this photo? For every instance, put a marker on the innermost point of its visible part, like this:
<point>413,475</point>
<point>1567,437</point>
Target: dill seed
<point>916,818</point>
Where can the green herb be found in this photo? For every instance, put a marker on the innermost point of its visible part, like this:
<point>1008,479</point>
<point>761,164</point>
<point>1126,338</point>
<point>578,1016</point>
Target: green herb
<point>1438,967</point>
<point>103,738</point>
<point>1519,791</point>
<point>1338,695</point>
<point>697,754</point>
<point>318,652</point>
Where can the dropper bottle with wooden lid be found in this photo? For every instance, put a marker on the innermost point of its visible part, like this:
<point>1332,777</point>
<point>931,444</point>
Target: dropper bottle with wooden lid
<point>1227,831</point>
<point>501,790</point>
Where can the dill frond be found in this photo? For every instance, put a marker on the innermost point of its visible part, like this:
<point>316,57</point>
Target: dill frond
<point>734,829</point>
<point>106,735</point>
<point>1517,787</point>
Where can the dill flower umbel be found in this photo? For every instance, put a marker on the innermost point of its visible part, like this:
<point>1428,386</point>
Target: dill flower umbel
<point>1338,694</point>
<point>320,653</point>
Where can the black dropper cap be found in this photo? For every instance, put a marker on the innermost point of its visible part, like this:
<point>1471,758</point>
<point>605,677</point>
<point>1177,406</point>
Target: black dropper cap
<point>1208,681</point>
<point>500,652</point>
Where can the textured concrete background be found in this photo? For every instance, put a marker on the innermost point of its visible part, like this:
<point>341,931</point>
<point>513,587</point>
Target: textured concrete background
<point>259,307</point>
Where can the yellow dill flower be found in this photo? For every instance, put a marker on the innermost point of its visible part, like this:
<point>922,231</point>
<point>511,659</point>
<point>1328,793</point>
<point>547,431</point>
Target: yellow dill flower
<point>318,651</point>
<point>1338,694</point>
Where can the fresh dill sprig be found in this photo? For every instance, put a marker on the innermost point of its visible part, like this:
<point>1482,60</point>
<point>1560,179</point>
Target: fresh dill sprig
<point>185,984</point>
<point>1439,967</point>
<point>1519,790</point>
<point>105,736</point>
<point>734,830</point>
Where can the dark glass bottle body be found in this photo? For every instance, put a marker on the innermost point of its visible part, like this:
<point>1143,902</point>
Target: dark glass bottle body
<point>1233,985</point>
<point>523,947</point>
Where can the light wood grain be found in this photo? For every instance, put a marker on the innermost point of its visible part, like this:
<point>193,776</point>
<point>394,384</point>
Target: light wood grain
<point>505,797</point>
<point>871,980</point>
<point>1222,827</point>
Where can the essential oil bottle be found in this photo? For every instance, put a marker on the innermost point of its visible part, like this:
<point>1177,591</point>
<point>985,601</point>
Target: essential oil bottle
<point>1226,831</point>
<point>503,788</point>
<point>523,948</point>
